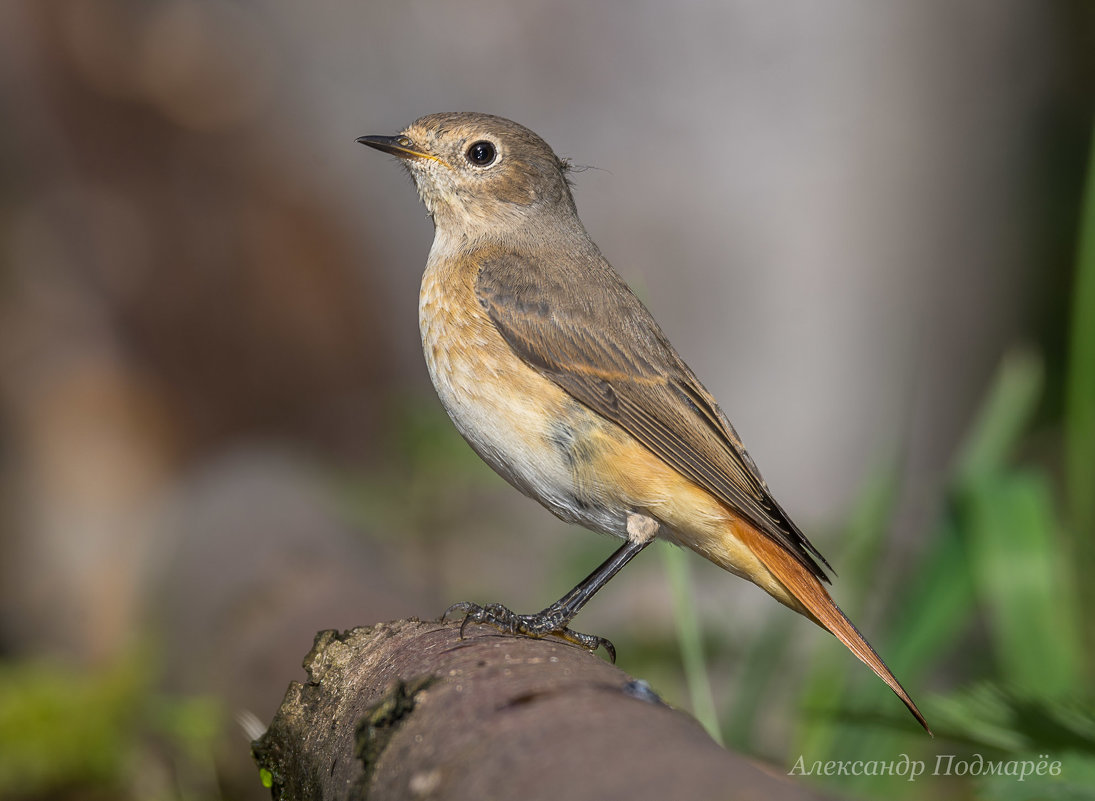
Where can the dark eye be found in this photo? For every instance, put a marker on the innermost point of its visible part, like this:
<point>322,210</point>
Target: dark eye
<point>481,154</point>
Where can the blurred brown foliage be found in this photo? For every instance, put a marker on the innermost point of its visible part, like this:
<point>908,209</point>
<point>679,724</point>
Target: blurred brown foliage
<point>173,287</point>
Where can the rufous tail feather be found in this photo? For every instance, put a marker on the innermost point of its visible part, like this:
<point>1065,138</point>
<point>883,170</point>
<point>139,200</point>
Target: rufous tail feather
<point>809,591</point>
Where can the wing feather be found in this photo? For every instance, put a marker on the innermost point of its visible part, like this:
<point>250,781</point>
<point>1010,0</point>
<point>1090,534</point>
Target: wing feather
<point>578,324</point>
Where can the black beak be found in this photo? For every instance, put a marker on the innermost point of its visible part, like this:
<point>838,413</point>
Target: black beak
<point>396,145</point>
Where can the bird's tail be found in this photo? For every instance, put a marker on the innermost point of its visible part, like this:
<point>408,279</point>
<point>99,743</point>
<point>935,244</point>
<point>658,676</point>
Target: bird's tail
<point>811,594</point>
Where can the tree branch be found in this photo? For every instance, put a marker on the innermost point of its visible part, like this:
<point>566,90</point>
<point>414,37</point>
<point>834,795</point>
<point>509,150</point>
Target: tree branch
<point>409,710</point>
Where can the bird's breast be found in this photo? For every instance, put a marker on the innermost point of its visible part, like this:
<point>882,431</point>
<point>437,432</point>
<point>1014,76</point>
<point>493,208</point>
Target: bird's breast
<point>526,427</point>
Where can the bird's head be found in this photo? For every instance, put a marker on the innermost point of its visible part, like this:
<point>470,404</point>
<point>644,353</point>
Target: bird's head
<point>479,172</point>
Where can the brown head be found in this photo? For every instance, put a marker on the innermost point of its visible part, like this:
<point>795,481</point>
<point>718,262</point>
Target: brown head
<point>479,173</point>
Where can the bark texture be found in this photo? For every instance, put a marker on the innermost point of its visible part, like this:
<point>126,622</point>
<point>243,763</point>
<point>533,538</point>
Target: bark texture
<point>409,710</point>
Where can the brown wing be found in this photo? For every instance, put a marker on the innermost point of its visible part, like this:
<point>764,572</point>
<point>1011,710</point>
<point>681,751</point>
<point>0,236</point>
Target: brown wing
<point>579,325</point>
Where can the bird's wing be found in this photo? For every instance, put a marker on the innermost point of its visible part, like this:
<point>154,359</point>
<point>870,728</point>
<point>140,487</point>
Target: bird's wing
<point>577,323</point>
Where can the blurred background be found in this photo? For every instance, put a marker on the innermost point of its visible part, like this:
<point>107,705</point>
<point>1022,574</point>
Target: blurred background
<point>862,224</point>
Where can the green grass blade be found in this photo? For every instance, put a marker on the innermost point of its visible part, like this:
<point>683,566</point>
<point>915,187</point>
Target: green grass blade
<point>987,715</point>
<point>935,609</point>
<point>1080,399</point>
<point>1003,419</point>
<point>1018,562</point>
<point>691,640</point>
<point>1080,390</point>
<point>761,684</point>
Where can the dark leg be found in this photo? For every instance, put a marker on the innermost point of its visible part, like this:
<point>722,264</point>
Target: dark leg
<point>555,618</point>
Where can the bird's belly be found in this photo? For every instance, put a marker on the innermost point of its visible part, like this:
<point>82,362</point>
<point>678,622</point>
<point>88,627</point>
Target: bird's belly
<point>524,426</point>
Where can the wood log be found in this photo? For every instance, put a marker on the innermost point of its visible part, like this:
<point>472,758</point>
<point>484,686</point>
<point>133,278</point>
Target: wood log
<point>412,710</point>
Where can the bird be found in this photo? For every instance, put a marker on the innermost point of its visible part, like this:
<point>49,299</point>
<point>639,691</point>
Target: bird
<point>558,376</point>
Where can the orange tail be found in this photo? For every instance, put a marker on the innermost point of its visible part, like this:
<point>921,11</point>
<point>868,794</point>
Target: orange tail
<point>813,596</point>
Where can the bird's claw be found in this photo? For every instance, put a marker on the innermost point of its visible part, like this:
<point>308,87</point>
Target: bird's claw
<point>542,624</point>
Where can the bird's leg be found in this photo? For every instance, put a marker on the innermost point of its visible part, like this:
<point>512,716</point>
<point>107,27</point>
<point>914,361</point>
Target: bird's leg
<point>555,618</point>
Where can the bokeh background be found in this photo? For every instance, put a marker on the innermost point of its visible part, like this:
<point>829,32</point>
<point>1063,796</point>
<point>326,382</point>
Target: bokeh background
<point>861,223</point>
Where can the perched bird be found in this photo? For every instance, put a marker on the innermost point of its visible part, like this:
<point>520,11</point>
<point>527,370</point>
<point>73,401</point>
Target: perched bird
<point>560,379</point>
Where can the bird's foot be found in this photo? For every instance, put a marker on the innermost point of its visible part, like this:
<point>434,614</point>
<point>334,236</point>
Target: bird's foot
<point>550,621</point>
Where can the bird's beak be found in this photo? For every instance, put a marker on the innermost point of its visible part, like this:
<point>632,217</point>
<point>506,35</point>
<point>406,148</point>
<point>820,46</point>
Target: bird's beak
<point>400,146</point>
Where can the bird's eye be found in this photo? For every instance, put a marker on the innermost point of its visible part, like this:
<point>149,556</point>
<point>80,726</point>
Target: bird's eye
<point>481,154</point>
